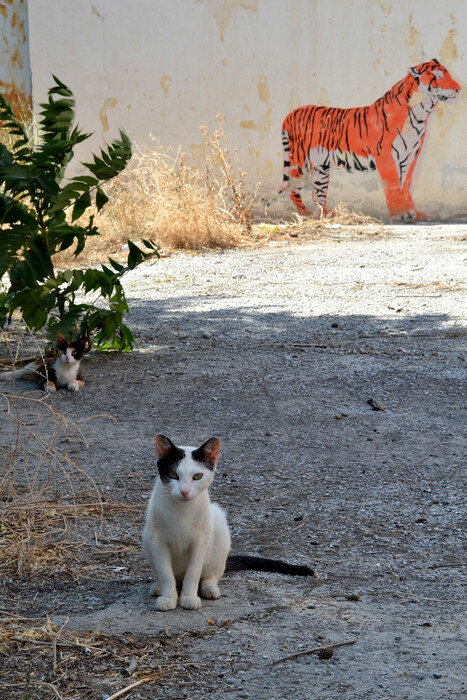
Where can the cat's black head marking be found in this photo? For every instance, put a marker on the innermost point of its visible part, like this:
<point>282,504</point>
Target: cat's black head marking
<point>77,347</point>
<point>168,456</point>
<point>208,453</point>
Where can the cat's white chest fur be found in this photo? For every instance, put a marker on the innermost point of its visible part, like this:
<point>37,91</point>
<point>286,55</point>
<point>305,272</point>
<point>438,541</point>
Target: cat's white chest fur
<point>186,539</point>
<point>66,373</point>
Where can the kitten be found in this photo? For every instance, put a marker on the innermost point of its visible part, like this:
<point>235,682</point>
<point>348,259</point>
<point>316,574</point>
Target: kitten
<point>61,372</point>
<point>186,538</point>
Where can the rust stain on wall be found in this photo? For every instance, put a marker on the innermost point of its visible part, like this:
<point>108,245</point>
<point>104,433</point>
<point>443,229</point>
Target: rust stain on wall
<point>19,98</point>
<point>166,82</point>
<point>223,10</point>
<point>248,124</point>
<point>448,52</point>
<point>385,6</point>
<point>323,98</point>
<point>15,74</point>
<point>103,116</point>
<point>264,92</point>
<point>413,41</point>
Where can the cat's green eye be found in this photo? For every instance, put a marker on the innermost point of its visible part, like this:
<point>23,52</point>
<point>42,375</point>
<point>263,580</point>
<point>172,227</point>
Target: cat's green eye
<point>173,475</point>
<point>197,477</point>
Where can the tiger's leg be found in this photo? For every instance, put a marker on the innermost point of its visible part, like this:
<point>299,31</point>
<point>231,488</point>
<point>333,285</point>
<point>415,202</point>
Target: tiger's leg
<point>399,201</point>
<point>296,198</point>
<point>286,160</point>
<point>415,213</point>
<point>320,183</point>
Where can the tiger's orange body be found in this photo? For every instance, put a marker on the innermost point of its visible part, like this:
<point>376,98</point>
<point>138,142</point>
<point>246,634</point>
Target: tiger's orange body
<point>386,136</point>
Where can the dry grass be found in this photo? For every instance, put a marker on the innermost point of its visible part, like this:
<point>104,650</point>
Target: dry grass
<point>42,483</point>
<point>162,197</point>
<point>43,660</point>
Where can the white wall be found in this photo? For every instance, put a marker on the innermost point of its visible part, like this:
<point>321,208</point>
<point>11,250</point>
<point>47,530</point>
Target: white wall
<point>164,67</point>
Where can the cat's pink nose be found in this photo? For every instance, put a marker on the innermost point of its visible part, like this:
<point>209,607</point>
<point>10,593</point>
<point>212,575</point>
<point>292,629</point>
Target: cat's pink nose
<point>184,492</point>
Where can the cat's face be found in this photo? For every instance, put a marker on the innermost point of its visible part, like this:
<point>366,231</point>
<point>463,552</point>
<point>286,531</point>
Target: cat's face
<point>186,471</point>
<point>70,352</point>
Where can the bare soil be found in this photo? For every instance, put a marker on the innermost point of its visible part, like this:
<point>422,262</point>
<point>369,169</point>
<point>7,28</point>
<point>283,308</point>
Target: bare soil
<point>277,351</point>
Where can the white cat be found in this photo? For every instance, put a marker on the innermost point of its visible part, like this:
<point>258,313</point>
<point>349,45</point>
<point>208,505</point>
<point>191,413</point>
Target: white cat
<point>186,538</point>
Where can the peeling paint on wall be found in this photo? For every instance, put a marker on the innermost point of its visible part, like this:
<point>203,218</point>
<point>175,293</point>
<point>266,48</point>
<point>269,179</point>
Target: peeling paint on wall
<point>448,52</point>
<point>264,92</point>
<point>15,72</point>
<point>413,40</point>
<point>166,82</point>
<point>223,9</point>
<point>109,103</point>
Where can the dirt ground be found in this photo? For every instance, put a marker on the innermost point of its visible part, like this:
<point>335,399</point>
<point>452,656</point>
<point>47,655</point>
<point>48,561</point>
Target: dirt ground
<point>277,351</point>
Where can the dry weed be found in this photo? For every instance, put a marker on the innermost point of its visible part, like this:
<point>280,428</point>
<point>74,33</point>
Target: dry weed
<point>39,475</point>
<point>44,660</point>
<point>160,196</point>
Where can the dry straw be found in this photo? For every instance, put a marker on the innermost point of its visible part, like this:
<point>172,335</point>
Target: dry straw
<point>42,486</point>
<point>163,197</point>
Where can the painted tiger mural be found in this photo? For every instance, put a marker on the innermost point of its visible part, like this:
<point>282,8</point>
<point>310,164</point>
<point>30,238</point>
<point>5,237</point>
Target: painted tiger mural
<point>386,136</point>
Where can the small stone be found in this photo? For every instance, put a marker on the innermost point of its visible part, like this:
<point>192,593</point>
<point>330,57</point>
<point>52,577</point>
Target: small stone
<point>207,334</point>
<point>334,325</point>
<point>326,653</point>
<point>353,596</point>
<point>376,405</point>
<point>437,675</point>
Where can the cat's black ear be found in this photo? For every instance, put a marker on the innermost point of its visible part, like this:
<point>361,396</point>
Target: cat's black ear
<point>164,446</point>
<point>60,338</point>
<point>209,451</point>
<point>85,344</point>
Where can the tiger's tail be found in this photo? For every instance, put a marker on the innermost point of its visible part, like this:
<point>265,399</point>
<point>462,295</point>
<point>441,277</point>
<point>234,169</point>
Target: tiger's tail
<point>240,562</point>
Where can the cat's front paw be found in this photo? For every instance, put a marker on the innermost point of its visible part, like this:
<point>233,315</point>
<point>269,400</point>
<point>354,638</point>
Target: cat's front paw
<point>190,602</point>
<point>166,602</point>
<point>155,589</point>
<point>73,386</point>
<point>50,387</point>
<point>210,590</point>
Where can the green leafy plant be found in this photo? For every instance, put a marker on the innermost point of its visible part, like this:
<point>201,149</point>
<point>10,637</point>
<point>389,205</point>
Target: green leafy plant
<point>42,214</point>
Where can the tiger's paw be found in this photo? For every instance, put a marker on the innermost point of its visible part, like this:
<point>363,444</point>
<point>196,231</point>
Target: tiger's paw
<point>420,216</point>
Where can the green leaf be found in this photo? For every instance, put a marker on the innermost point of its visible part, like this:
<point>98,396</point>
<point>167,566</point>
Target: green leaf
<point>101,199</point>
<point>81,205</point>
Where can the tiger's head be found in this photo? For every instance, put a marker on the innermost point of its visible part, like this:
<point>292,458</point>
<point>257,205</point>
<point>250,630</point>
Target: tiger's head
<point>435,79</point>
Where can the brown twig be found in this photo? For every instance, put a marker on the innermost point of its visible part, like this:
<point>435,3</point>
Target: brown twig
<point>315,650</point>
<point>126,690</point>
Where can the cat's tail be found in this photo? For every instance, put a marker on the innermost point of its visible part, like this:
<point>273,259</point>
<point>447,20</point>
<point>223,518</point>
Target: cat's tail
<point>240,562</point>
<point>19,373</point>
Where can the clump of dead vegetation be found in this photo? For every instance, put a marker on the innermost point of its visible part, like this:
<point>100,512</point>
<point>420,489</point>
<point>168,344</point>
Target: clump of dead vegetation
<point>162,197</point>
<point>44,660</point>
<point>42,483</point>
